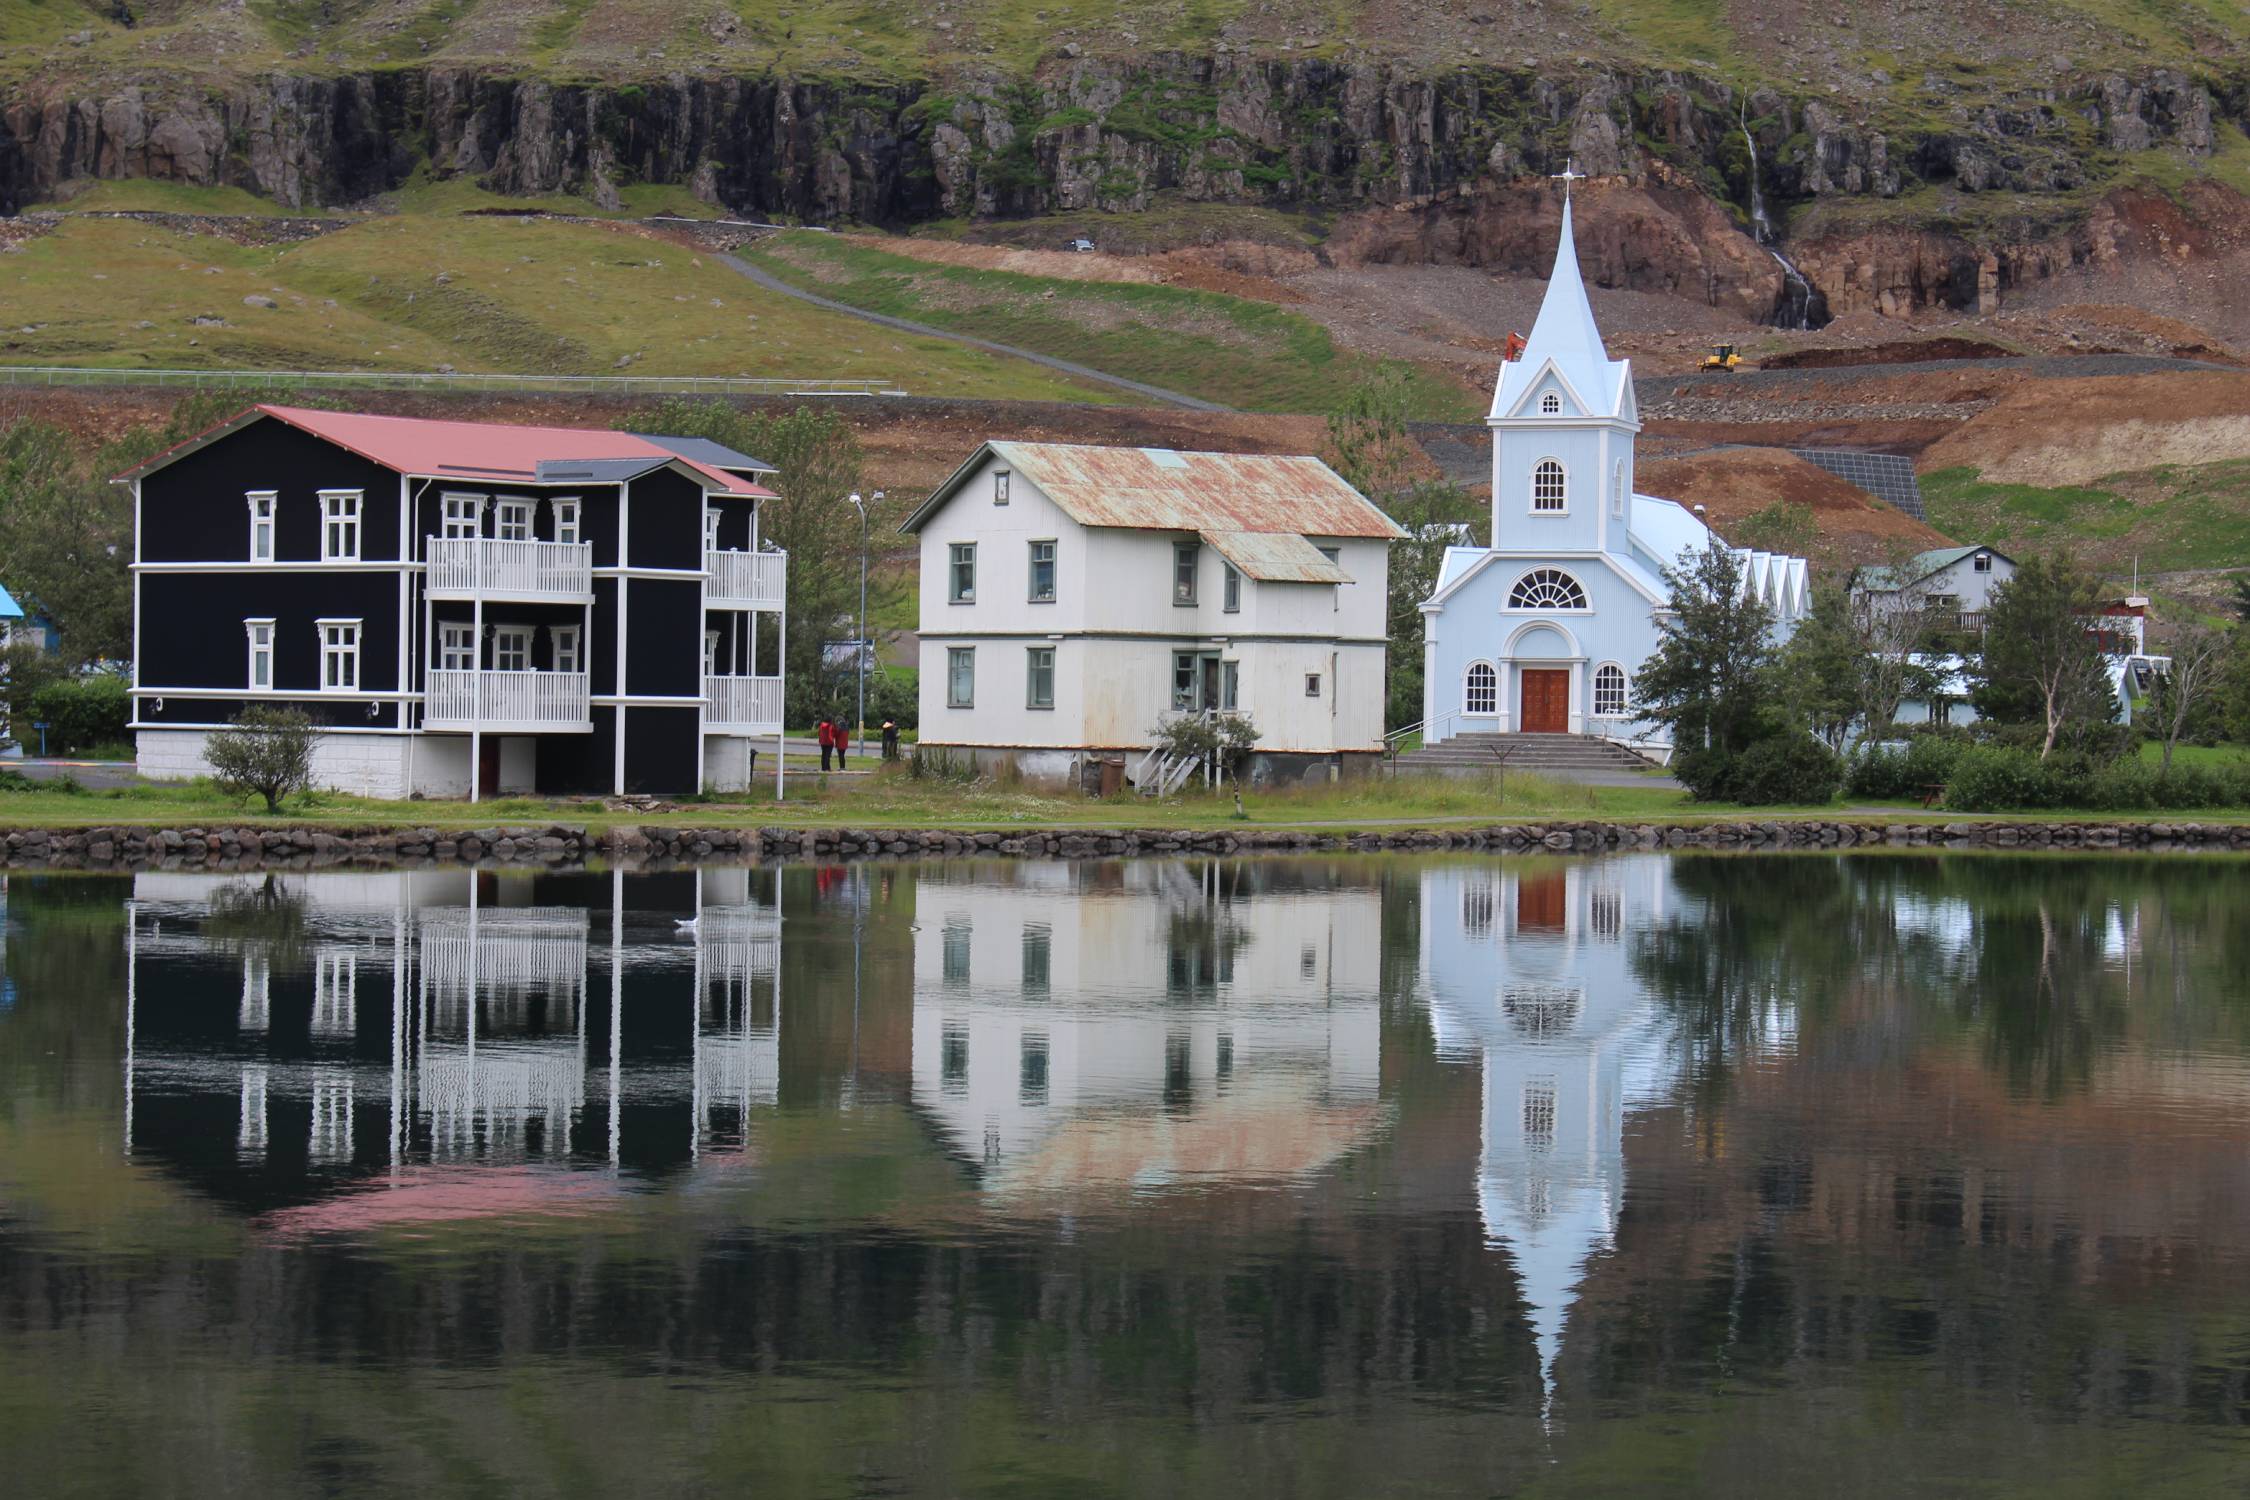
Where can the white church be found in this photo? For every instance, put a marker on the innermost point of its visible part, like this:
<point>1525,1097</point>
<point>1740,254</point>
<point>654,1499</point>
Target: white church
<point>1543,631</point>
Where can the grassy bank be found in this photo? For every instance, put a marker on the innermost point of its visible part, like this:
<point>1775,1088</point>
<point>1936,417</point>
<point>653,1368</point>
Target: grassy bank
<point>895,800</point>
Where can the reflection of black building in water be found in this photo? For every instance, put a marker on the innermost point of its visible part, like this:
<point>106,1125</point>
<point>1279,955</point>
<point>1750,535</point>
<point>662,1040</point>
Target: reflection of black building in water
<point>294,1036</point>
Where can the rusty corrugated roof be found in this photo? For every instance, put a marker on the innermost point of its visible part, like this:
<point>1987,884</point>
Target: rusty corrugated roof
<point>1275,557</point>
<point>1158,489</point>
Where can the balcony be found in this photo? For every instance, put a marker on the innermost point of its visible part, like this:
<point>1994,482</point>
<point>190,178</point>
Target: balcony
<point>508,702</point>
<point>742,705</point>
<point>479,567</point>
<point>747,580</point>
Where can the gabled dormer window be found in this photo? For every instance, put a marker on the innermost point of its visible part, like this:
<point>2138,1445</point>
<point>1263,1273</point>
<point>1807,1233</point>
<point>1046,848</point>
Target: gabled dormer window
<point>261,525</point>
<point>339,530</point>
<point>1550,405</point>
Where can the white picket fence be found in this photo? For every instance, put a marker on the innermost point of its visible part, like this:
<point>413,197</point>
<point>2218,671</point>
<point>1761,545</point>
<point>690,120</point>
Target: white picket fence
<point>540,700</point>
<point>511,570</point>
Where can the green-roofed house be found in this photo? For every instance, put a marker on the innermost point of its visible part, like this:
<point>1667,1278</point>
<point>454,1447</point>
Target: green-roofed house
<point>1956,581</point>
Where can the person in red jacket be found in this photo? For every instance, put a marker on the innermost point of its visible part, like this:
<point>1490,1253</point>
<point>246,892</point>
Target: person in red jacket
<point>843,742</point>
<point>827,735</point>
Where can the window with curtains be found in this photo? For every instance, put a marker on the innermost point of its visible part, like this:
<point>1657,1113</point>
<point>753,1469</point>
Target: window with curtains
<point>961,583</point>
<point>1042,589</point>
<point>961,677</point>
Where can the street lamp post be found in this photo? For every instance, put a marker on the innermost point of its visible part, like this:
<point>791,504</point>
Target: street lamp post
<point>859,646</point>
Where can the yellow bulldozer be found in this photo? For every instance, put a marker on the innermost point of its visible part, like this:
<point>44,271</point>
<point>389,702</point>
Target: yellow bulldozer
<point>1722,358</point>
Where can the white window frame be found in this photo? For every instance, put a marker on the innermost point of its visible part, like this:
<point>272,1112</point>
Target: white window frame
<point>513,519</point>
<point>264,505</point>
<point>568,648</point>
<point>340,525</point>
<point>460,516</point>
<point>710,528</point>
<point>1556,577</point>
<point>1000,486</point>
<point>1624,691</point>
<point>457,646</point>
<point>959,555</point>
<point>511,641</point>
<point>1550,405</point>
<point>1561,506</point>
<point>258,634</point>
<point>339,655</point>
<point>1981,563</point>
<point>710,653</point>
<point>1187,681</point>
<point>567,515</point>
<point>1187,567</point>
<point>1335,556</point>
<point>1032,561</point>
<point>1032,666</point>
<point>958,658</point>
<point>1469,691</point>
<point>1617,490</point>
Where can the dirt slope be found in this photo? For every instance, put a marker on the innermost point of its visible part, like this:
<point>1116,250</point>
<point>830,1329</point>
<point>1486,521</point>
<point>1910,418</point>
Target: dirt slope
<point>1733,483</point>
<point>2073,432</point>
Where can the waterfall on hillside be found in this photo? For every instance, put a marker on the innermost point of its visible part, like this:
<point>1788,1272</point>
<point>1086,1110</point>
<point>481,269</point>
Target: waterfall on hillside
<point>1798,306</point>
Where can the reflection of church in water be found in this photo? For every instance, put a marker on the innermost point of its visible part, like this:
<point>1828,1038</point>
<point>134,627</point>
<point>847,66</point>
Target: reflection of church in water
<point>1526,969</point>
<point>1145,1024</point>
<point>293,1036</point>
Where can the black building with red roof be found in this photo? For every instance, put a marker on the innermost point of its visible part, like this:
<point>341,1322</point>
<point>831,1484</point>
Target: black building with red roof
<point>464,608</point>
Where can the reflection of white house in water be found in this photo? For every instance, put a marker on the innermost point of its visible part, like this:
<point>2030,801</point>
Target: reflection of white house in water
<point>434,1017</point>
<point>1526,969</point>
<point>1040,1054</point>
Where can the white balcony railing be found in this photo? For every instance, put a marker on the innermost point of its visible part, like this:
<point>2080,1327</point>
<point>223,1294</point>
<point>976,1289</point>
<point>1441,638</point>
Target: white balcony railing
<point>754,579</point>
<point>526,702</point>
<point>511,570</point>
<point>747,704</point>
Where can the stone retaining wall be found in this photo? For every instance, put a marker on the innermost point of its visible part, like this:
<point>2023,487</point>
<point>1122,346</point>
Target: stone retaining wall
<point>127,848</point>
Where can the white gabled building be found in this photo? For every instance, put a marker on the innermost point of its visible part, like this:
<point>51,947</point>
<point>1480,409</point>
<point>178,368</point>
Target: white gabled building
<point>1073,597</point>
<point>1545,630</point>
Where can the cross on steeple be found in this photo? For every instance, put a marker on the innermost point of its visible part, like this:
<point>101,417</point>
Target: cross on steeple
<point>1568,175</point>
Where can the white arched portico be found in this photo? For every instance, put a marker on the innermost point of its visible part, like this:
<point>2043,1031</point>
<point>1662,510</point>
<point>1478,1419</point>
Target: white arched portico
<point>1542,679</point>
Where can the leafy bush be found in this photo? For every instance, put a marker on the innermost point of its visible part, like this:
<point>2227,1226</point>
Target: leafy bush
<point>1996,778</point>
<point>1779,769</point>
<point>1926,760</point>
<point>78,711</point>
<point>268,751</point>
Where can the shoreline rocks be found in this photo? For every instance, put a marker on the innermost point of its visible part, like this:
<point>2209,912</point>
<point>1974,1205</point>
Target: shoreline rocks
<point>128,848</point>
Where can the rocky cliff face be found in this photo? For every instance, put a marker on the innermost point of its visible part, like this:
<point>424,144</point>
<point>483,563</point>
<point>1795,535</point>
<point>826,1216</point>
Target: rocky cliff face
<point>1435,153</point>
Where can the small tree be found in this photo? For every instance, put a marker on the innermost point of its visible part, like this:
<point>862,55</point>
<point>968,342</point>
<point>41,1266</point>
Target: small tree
<point>2190,685</point>
<point>1823,669</point>
<point>1895,627</point>
<point>268,751</point>
<point>2041,663</point>
<point>1711,679</point>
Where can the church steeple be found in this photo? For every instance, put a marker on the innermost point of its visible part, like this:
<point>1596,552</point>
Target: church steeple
<point>1566,339</point>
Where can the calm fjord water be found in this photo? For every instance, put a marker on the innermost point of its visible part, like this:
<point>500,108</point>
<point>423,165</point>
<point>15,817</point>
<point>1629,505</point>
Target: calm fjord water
<point>1653,1174</point>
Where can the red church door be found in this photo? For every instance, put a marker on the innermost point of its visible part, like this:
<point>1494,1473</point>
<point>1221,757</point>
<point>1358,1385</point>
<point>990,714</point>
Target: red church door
<point>1546,702</point>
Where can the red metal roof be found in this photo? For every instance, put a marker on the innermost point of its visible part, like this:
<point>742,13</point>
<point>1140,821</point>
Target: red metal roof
<point>473,450</point>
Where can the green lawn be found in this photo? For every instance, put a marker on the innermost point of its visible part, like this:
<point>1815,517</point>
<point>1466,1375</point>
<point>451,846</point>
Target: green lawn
<point>1227,349</point>
<point>417,292</point>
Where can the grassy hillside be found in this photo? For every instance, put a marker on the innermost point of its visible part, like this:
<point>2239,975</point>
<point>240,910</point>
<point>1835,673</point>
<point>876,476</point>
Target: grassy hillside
<point>1246,354</point>
<point>891,39</point>
<point>2172,517</point>
<point>422,292</point>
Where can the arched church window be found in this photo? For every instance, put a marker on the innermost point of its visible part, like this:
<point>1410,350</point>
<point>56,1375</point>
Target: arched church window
<point>1609,691</point>
<point>1481,693</point>
<point>1546,588</point>
<point>1617,490</point>
<point>1547,485</point>
<point>1550,405</point>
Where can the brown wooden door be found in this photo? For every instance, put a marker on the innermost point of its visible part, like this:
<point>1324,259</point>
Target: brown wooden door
<point>1546,702</point>
<point>488,767</point>
<point>1540,902</point>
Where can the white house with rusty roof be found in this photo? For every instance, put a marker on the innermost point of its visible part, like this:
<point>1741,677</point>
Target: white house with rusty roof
<point>1075,597</point>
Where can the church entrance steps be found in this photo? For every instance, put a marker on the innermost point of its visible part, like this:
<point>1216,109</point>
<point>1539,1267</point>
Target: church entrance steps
<point>1558,755</point>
